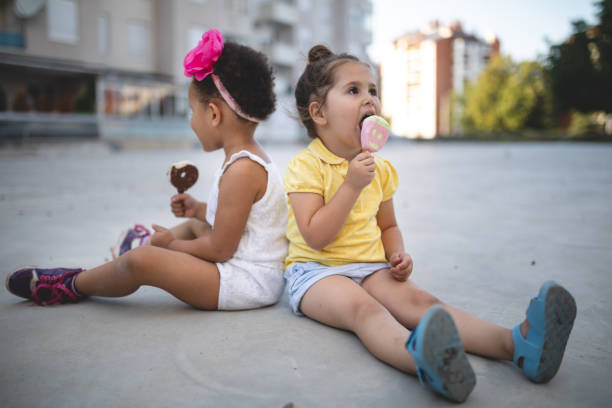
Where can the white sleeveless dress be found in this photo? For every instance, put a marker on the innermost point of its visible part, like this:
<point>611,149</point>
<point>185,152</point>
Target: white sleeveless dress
<point>253,277</point>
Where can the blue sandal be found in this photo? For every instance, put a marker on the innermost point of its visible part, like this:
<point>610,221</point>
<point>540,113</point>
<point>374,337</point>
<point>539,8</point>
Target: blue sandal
<point>439,356</point>
<point>551,317</point>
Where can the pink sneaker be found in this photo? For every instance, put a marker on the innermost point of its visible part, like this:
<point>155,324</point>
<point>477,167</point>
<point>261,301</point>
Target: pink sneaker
<point>45,286</point>
<point>129,239</point>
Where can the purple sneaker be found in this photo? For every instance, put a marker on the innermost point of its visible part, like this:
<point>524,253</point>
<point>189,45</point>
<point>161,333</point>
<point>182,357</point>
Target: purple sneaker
<point>139,234</point>
<point>44,286</point>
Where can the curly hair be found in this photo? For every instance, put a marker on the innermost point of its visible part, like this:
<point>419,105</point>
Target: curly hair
<point>316,80</point>
<point>246,75</point>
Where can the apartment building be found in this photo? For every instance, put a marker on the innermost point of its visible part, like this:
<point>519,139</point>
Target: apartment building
<point>341,25</point>
<point>113,68</point>
<point>423,74</point>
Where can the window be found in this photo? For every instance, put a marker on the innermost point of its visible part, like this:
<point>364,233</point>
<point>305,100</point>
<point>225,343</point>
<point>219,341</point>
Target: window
<point>138,37</point>
<point>62,21</point>
<point>103,32</point>
<point>239,7</point>
<point>304,5</point>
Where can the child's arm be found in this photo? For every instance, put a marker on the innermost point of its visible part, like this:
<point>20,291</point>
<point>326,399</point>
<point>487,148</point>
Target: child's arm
<point>319,223</point>
<point>243,183</point>
<point>401,262</point>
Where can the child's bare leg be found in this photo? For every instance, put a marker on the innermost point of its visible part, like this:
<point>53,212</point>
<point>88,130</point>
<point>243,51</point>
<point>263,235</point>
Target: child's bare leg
<point>408,303</point>
<point>482,337</point>
<point>190,279</point>
<point>339,302</point>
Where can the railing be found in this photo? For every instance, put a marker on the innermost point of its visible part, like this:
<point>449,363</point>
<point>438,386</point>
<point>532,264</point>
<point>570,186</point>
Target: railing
<point>47,117</point>
<point>35,124</point>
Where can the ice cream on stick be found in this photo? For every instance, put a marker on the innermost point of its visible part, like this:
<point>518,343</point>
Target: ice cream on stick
<point>374,133</point>
<point>183,175</point>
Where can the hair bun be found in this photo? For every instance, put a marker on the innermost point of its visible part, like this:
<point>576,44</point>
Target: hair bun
<point>318,52</point>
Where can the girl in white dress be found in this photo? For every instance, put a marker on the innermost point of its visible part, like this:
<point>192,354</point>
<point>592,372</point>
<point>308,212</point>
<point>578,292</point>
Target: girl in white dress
<point>230,253</point>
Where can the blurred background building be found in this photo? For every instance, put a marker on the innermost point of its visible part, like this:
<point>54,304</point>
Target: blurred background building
<point>113,69</point>
<point>423,74</point>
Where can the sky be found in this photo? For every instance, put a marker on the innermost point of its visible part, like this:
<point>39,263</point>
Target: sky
<point>521,25</point>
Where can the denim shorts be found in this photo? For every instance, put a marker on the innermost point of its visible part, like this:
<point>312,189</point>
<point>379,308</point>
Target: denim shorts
<point>301,276</point>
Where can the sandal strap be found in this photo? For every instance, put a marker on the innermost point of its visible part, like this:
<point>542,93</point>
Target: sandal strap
<point>536,313</point>
<point>523,348</point>
<point>411,346</point>
<point>424,379</point>
<point>530,348</point>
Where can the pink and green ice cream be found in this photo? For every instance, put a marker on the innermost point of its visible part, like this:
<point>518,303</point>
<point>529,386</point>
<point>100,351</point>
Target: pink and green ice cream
<point>374,133</point>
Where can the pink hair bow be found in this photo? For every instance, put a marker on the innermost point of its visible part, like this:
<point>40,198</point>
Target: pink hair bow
<point>199,61</point>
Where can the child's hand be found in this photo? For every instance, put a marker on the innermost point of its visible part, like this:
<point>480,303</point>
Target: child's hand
<point>183,205</point>
<point>361,170</point>
<point>162,237</point>
<point>401,266</point>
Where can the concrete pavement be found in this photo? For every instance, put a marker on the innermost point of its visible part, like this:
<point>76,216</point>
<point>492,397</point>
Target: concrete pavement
<point>485,223</point>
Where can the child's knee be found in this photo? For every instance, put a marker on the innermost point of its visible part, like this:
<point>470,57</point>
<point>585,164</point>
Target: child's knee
<point>135,260</point>
<point>422,299</point>
<point>191,224</point>
<point>365,310</point>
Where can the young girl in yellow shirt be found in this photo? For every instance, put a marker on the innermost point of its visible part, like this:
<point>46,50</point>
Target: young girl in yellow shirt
<point>347,267</point>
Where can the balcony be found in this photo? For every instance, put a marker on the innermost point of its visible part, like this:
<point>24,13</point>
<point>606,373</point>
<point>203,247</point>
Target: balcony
<point>281,54</point>
<point>279,13</point>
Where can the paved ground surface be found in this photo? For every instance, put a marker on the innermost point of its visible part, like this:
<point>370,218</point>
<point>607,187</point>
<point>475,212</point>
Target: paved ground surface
<point>485,223</point>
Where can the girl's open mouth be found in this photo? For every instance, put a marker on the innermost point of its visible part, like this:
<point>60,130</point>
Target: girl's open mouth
<point>363,118</point>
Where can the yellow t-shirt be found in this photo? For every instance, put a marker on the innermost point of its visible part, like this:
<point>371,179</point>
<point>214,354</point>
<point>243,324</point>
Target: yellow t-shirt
<point>317,170</point>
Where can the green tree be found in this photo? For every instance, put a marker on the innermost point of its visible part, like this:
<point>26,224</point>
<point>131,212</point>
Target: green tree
<point>507,97</point>
<point>481,111</point>
<point>581,67</point>
<point>574,79</point>
<point>603,42</point>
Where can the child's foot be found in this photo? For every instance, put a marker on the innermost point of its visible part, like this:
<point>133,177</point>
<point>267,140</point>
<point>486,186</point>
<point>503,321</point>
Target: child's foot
<point>439,356</point>
<point>44,286</point>
<point>540,344</point>
<point>129,239</point>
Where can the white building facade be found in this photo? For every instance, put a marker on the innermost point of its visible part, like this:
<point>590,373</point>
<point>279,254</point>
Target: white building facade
<point>114,67</point>
<point>424,72</point>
